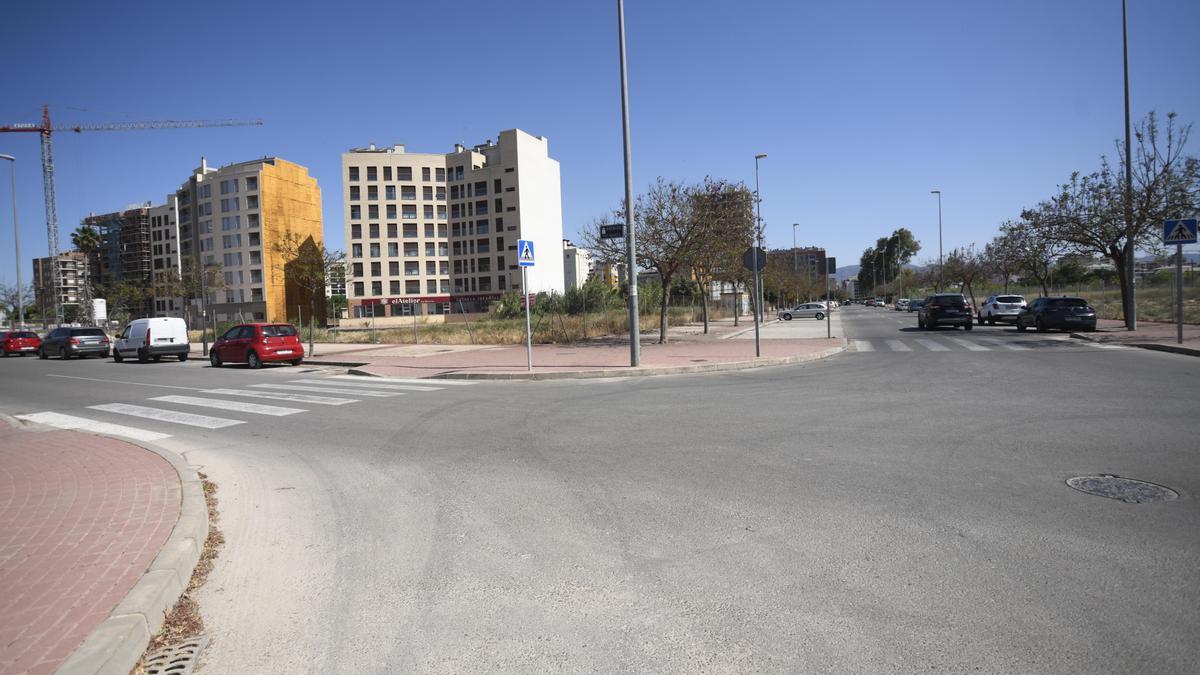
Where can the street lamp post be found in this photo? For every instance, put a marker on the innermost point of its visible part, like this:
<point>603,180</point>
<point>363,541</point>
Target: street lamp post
<point>1131,309</point>
<point>795,258</point>
<point>757,285</point>
<point>204,310</point>
<point>16,239</point>
<point>635,345</point>
<point>939,194</point>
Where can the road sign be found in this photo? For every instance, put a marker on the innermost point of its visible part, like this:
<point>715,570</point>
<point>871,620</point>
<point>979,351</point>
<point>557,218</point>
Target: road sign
<point>525,252</point>
<point>614,231</point>
<point>832,265</point>
<point>1179,231</point>
<point>752,262</point>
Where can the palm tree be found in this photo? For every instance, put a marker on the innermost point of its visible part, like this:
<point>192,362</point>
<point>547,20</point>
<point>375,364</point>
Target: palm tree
<point>86,239</point>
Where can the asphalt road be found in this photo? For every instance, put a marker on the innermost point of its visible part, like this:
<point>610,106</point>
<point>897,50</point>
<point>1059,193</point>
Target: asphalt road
<point>882,510</point>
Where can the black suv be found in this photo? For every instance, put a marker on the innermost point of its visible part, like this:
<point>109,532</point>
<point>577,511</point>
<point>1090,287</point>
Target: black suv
<point>68,342</point>
<point>1064,313</point>
<point>945,309</point>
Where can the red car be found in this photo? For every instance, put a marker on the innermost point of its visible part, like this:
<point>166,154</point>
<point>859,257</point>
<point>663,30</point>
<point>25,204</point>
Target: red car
<point>257,343</point>
<point>19,342</point>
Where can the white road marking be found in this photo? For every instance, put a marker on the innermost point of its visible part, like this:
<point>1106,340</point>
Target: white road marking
<point>329,390</point>
<point>191,420</point>
<point>864,346</point>
<point>369,385</point>
<point>242,406</point>
<point>931,345</point>
<point>403,380</point>
<point>1006,345</point>
<point>898,346</point>
<point>973,346</point>
<point>140,384</point>
<point>281,396</point>
<point>61,421</point>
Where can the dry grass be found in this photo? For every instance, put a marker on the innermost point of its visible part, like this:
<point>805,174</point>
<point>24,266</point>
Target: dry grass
<point>184,620</point>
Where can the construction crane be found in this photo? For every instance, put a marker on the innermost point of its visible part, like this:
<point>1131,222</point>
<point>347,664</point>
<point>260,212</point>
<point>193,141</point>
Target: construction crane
<point>46,130</point>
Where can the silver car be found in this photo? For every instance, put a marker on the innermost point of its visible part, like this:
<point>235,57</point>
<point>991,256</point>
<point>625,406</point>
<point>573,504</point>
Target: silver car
<point>1002,308</point>
<point>816,310</point>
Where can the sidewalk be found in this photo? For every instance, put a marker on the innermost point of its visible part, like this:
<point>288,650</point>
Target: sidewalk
<point>82,518</point>
<point>688,351</point>
<point>1149,335</point>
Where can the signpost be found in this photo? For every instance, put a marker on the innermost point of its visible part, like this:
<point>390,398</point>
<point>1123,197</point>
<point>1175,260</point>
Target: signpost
<point>830,270</point>
<point>613,231</point>
<point>1179,232</point>
<point>525,259</point>
<point>755,259</point>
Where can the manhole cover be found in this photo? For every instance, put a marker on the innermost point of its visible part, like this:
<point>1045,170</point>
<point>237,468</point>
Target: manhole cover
<point>1126,489</point>
<point>177,659</point>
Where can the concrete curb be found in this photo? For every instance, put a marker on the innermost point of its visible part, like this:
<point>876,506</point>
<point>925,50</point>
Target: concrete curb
<point>628,372</point>
<point>340,364</point>
<point>1152,346</point>
<point>115,646</point>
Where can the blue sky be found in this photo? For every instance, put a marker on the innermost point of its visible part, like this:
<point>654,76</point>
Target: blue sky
<point>862,107</point>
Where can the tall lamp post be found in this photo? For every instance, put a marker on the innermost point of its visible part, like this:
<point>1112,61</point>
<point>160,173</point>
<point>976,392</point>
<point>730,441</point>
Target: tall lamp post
<point>635,345</point>
<point>757,278</point>
<point>939,194</point>
<point>1131,310</point>
<point>16,240</point>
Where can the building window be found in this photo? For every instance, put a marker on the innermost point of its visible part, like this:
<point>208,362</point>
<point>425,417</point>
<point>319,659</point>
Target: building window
<point>372,173</point>
<point>428,212</point>
<point>354,176</point>
<point>481,227</point>
<point>412,287</point>
<point>358,288</point>
<point>391,211</point>
<point>256,276</point>
<point>374,250</point>
<point>255,239</point>
<point>481,208</point>
<point>499,205</point>
<point>376,288</point>
<point>372,193</point>
<point>373,228</point>
<point>408,211</point>
<point>231,241</point>
<point>393,268</point>
<point>251,220</point>
<point>408,193</point>
<point>427,193</point>
<point>482,246</point>
<point>354,194</point>
<point>376,269</point>
<point>410,230</point>
<point>252,201</point>
<point>387,173</point>
<point>357,269</point>
<point>255,257</point>
<point>496,186</point>
<point>389,192</point>
<point>251,183</point>
<point>481,188</point>
<point>205,209</point>
<point>373,211</point>
<point>355,250</point>
<point>391,230</point>
<point>394,287</point>
<point>403,173</point>
<point>356,231</point>
<point>355,212</point>
<point>411,251</point>
<point>393,249</point>
<point>425,174</point>
<point>429,230</point>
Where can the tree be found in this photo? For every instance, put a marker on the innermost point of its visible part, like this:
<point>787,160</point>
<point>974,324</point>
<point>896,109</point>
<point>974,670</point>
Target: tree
<point>1000,259</point>
<point>667,237</point>
<point>724,212</point>
<point>1093,216</point>
<point>305,263</point>
<point>12,296</point>
<point>883,262</point>
<point>965,267</point>
<point>1034,245</point>
<point>192,282</point>
<point>86,239</point>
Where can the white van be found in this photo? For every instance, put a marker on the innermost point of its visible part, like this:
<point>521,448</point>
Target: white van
<point>147,339</point>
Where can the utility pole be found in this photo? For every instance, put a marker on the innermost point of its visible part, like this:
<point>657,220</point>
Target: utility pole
<point>757,285</point>
<point>1131,308</point>
<point>16,241</point>
<point>635,338</point>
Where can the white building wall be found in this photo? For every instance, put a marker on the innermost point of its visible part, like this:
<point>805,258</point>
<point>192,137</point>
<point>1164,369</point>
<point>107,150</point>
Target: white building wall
<point>539,207</point>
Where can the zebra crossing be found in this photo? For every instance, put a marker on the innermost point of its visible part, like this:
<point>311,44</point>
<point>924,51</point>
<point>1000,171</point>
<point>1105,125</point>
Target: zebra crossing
<point>975,344</point>
<point>336,390</point>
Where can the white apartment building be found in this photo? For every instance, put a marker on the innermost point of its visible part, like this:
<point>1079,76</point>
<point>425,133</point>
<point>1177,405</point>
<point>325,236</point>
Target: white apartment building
<point>577,265</point>
<point>164,242</point>
<point>431,234</point>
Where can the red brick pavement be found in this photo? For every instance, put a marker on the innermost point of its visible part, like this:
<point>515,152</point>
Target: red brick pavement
<point>81,519</point>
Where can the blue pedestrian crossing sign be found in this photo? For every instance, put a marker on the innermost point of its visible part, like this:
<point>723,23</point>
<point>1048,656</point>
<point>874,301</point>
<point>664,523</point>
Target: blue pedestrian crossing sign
<point>525,252</point>
<point>1179,231</point>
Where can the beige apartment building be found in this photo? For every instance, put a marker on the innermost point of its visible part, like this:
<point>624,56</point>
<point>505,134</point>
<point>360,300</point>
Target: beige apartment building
<point>72,269</point>
<point>231,219</point>
<point>433,234</point>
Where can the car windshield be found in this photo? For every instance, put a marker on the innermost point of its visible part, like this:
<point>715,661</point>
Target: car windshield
<point>285,330</point>
<point>22,334</point>
<point>86,331</point>
<point>1010,298</point>
<point>1068,302</point>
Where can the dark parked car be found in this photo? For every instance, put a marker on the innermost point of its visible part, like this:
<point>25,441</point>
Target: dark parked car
<point>20,342</point>
<point>257,343</point>
<point>945,309</point>
<point>68,342</point>
<point>1064,313</point>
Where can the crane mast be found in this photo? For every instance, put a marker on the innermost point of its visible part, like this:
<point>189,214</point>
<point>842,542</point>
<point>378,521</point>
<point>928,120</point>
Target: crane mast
<point>46,130</point>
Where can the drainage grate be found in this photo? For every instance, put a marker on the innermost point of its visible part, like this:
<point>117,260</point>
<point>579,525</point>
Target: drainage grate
<point>177,659</point>
<point>1127,490</point>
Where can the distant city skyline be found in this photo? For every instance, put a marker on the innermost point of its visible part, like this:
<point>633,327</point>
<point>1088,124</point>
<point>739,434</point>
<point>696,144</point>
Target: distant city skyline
<point>862,107</point>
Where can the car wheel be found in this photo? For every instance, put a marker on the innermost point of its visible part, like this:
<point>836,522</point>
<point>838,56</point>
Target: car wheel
<point>41,353</point>
<point>1020,326</point>
<point>787,317</point>
<point>157,358</point>
<point>980,319</point>
<point>967,326</point>
<point>991,321</point>
<point>920,323</point>
<point>296,362</point>
<point>253,361</point>
<point>819,316</point>
<point>214,359</point>
<point>142,356</point>
<point>1041,327</point>
<point>117,356</point>
<point>183,357</point>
